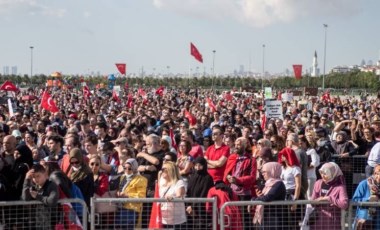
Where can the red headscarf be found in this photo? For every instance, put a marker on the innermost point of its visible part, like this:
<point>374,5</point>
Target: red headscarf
<point>290,156</point>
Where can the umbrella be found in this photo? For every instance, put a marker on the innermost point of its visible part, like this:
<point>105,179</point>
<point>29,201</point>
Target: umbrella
<point>29,98</point>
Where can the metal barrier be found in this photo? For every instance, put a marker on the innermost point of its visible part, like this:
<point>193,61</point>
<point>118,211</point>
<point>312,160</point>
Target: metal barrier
<point>135,213</point>
<point>35,215</point>
<point>277,215</point>
<point>353,169</point>
<point>364,215</point>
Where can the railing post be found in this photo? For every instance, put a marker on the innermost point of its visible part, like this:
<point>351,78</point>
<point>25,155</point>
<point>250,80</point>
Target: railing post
<point>349,221</point>
<point>92,214</point>
<point>214,215</point>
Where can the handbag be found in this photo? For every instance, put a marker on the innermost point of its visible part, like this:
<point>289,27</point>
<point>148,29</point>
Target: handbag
<point>104,207</point>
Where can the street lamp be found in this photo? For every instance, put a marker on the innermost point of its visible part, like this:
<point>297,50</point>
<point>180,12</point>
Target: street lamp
<point>213,68</point>
<point>324,58</point>
<point>262,78</point>
<point>31,62</point>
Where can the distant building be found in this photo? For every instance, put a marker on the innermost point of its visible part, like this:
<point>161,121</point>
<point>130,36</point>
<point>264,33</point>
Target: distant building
<point>14,70</point>
<point>6,70</point>
<point>340,69</point>
<point>315,69</point>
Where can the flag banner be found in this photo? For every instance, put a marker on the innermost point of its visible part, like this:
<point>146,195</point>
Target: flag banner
<point>160,91</point>
<point>48,103</point>
<point>10,107</point>
<point>86,92</point>
<point>211,105</point>
<point>191,118</point>
<point>297,71</point>
<point>122,67</point>
<point>195,53</point>
<point>8,86</point>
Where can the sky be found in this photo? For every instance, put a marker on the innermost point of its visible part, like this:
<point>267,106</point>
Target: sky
<point>80,37</point>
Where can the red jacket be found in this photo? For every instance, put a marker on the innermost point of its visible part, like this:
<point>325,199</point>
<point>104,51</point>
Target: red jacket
<point>247,178</point>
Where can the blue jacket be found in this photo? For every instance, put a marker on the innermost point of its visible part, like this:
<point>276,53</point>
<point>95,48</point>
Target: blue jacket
<point>362,194</point>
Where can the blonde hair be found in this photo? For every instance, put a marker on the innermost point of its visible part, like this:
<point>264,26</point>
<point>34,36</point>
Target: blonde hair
<point>172,171</point>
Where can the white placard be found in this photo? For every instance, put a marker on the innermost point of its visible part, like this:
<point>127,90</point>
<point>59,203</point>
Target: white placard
<point>273,109</point>
<point>287,97</point>
<point>10,107</point>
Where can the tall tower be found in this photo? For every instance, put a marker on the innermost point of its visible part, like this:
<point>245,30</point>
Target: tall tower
<point>315,69</point>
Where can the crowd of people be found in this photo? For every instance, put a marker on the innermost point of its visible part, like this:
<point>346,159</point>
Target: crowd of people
<point>197,144</point>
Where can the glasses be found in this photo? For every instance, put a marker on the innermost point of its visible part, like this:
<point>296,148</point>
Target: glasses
<point>94,164</point>
<point>74,162</point>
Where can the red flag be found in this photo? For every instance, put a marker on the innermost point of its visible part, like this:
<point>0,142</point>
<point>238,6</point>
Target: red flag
<point>160,91</point>
<point>126,86</point>
<point>171,134</point>
<point>297,71</point>
<point>115,97</point>
<point>122,67</point>
<point>86,92</point>
<point>48,103</point>
<point>263,122</point>
<point>130,101</point>
<point>195,53</point>
<point>141,92</point>
<point>228,96</point>
<point>211,105</point>
<point>326,96</point>
<point>190,117</point>
<point>8,86</point>
<point>155,215</point>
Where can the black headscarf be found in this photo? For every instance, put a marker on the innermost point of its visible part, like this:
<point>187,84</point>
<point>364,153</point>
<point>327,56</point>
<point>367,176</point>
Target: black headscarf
<point>200,182</point>
<point>26,155</point>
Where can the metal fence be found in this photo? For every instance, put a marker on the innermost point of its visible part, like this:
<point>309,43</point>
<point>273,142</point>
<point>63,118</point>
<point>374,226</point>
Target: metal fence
<point>278,215</point>
<point>69,214</point>
<point>353,169</point>
<point>364,215</point>
<point>136,213</point>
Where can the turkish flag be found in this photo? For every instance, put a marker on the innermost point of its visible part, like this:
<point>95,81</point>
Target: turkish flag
<point>8,86</point>
<point>130,101</point>
<point>155,214</point>
<point>141,92</point>
<point>86,92</point>
<point>195,53</point>
<point>191,118</point>
<point>297,71</point>
<point>48,103</point>
<point>160,91</point>
<point>122,67</point>
<point>171,134</point>
<point>115,97</point>
<point>211,105</point>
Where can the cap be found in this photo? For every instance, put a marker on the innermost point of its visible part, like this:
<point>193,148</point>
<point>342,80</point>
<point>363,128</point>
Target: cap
<point>73,115</point>
<point>120,120</point>
<point>16,133</point>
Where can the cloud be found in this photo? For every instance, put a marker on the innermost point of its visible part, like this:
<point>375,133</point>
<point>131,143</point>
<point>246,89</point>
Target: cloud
<point>86,14</point>
<point>31,7</point>
<point>260,13</point>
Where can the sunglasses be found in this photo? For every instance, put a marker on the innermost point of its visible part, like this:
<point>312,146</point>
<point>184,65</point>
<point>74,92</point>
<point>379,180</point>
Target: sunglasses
<point>74,162</point>
<point>96,164</point>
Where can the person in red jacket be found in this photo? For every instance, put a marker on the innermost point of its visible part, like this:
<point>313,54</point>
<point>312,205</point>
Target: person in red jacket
<point>240,175</point>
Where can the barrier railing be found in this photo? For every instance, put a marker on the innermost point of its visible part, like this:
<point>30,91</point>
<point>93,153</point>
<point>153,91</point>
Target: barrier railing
<point>131,213</point>
<point>278,215</point>
<point>35,215</point>
<point>364,215</point>
<point>353,169</point>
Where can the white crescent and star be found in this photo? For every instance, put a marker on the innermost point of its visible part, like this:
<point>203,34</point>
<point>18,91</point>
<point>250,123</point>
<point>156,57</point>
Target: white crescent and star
<point>49,102</point>
<point>8,87</point>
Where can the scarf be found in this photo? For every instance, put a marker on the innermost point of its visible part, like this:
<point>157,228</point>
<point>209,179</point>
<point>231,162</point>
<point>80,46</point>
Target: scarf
<point>80,173</point>
<point>200,182</point>
<point>273,171</point>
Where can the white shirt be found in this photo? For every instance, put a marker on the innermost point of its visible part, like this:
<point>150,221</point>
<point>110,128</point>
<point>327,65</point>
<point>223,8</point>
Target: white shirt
<point>288,175</point>
<point>374,155</point>
<point>315,161</point>
<point>172,213</point>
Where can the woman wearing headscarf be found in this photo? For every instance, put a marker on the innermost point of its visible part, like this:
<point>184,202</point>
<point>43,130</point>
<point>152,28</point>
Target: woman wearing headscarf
<point>344,149</point>
<point>23,162</point>
<point>265,155</point>
<point>330,188</point>
<point>368,190</point>
<point>81,175</point>
<point>132,185</point>
<point>274,190</point>
<point>199,184</point>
